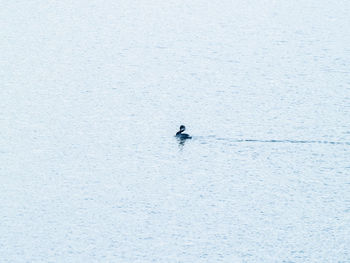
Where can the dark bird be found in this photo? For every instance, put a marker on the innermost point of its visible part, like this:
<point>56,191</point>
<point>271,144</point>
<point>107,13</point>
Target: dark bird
<point>182,136</point>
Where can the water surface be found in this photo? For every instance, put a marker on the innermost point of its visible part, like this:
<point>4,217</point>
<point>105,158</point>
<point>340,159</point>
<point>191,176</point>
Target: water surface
<point>93,93</point>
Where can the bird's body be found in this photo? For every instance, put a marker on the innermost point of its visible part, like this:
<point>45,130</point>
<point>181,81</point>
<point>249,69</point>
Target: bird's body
<point>182,136</point>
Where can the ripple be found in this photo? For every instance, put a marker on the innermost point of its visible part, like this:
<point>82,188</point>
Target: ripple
<point>275,141</point>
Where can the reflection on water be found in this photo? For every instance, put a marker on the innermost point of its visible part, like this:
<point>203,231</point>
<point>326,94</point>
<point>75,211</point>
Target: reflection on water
<point>182,141</point>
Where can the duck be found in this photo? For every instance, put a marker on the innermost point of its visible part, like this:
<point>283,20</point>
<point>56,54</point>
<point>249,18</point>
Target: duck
<point>182,136</point>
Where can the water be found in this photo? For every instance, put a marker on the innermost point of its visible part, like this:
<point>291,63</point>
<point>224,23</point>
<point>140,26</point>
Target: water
<point>93,93</point>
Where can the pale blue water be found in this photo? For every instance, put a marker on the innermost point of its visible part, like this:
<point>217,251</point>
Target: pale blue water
<point>93,93</point>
